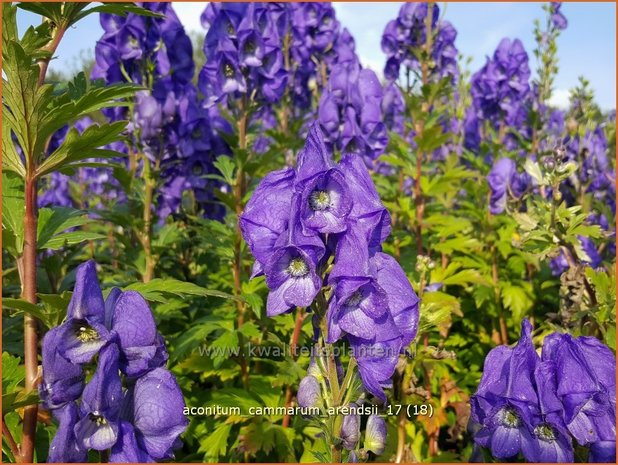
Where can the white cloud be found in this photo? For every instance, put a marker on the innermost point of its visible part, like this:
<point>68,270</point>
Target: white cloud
<point>560,98</point>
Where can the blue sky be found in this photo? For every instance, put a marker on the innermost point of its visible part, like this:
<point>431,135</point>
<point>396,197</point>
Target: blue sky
<point>587,47</point>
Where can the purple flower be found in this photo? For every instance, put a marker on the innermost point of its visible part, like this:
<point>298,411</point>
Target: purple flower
<point>602,452</point>
<point>142,347</point>
<point>409,32</point>
<point>375,434</point>
<point>84,332</point>
<point>368,210</point>
<point>309,393</point>
<point>63,381</point>
<point>499,89</point>
<point>291,271</point>
<point>504,182</point>
<point>350,430</point>
<point>267,213</point>
<point>64,447</point>
<point>558,19</point>
<point>506,399</point>
<point>585,385</point>
<point>100,406</point>
<point>155,411</point>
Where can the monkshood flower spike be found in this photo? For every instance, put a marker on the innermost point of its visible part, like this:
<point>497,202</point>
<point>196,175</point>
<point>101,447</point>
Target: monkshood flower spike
<point>316,233</point>
<point>542,406</point>
<point>132,406</point>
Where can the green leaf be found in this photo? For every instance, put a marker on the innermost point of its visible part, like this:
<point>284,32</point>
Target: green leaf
<point>72,238</point>
<point>534,170</point>
<point>13,208</point>
<point>54,221</point>
<point>77,147</point>
<point>24,102</point>
<point>215,445</point>
<point>516,299</point>
<point>11,161</point>
<point>120,8</point>
<point>82,98</point>
<point>49,316</point>
<point>160,290</point>
<point>226,166</point>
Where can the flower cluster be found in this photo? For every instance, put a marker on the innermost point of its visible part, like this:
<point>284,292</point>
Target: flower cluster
<point>409,32</point>
<point>322,224</point>
<point>167,122</point>
<point>537,405</point>
<point>316,44</point>
<point>499,91</point>
<point>132,406</point>
<point>350,111</point>
<point>243,52</point>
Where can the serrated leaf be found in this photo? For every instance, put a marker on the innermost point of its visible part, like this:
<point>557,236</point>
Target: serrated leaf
<point>215,444</point>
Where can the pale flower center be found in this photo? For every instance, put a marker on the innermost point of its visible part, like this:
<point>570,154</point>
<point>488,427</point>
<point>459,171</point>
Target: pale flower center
<point>545,432</point>
<point>319,200</point>
<point>298,268</point>
<point>354,299</point>
<point>84,332</point>
<point>510,418</point>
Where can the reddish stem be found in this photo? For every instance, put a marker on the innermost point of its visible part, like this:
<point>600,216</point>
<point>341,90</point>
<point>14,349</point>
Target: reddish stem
<point>30,324</point>
<point>298,324</point>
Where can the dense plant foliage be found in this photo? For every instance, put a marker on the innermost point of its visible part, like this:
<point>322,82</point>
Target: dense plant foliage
<point>250,248</point>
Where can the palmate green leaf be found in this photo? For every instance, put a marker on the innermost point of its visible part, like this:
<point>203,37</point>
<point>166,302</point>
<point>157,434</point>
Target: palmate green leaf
<point>215,445</point>
<point>160,290</point>
<point>517,299</point>
<point>78,147</point>
<point>13,208</point>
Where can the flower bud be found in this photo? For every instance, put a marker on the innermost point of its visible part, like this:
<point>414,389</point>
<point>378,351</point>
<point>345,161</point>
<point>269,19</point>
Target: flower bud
<point>308,392</point>
<point>350,430</point>
<point>314,370</point>
<point>549,163</point>
<point>375,435</point>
